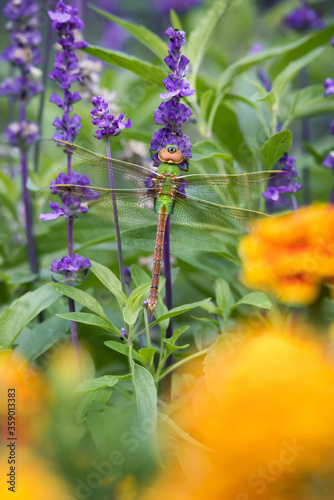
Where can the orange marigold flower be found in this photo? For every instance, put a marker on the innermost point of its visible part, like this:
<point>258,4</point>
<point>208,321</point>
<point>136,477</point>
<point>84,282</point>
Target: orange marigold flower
<point>265,413</point>
<point>291,255</point>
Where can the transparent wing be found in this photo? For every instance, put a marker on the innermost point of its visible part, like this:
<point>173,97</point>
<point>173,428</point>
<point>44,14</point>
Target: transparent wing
<point>135,208</point>
<point>126,175</point>
<point>240,190</point>
<point>209,222</point>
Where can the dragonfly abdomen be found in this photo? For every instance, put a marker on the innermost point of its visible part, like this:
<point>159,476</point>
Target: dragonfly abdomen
<point>158,251</point>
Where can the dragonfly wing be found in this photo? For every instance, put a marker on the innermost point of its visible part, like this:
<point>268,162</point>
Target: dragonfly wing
<point>134,208</point>
<point>240,190</point>
<point>96,167</point>
<point>209,222</point>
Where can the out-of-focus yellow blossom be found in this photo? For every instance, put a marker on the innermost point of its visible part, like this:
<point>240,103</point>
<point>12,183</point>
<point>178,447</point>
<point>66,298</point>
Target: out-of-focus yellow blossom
<point>31,396</point>
<point>291,255</point>
<point>34,479</point>
<point>267,417</point>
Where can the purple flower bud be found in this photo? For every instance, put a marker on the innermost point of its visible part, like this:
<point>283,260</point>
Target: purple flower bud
<point>331,127</point>
<point>329,160</point>
<point>72,269</point>
<point>145,303</point>
<point>107,124</point>
<point>22,134</point>
<point>329,86</point>
<point>304,19</point>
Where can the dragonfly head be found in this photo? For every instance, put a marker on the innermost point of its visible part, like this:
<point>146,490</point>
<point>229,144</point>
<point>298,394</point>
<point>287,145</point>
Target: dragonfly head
<point>170,154</point>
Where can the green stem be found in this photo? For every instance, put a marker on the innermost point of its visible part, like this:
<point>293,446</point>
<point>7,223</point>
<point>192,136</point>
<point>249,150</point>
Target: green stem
<point>147,328</point>
<point>182,362</point>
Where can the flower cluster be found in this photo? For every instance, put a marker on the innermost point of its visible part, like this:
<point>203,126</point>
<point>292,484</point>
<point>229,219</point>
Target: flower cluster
<point>291,256</point>
<point>23,54</point>
<point>304,18</point>
<point>72,269</point>
<point>284,380</point>
<point>107,124</point>
<point>172,114</point>
<point>73,198</point>
<point>65,21</point>
<point>282,184</point>
<point>329,86</point>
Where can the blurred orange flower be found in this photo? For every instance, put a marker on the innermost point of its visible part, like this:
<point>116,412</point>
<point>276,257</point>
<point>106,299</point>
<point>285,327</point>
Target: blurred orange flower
<point>266,417</point>
<point>291,255</point>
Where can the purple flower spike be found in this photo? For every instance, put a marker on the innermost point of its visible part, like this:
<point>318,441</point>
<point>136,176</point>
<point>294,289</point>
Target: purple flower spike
<point>304,19</point>
<point>282,184</point>
<point>107,124</point>
<point>65,71</point>
<point>72,269</point>
<point>331,127</point>
<point>172,114</point>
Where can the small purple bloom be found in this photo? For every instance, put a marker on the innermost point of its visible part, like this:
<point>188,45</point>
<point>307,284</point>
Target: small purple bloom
<point>107,124</point>
<point>329,160</point>
<point>172,114</point>
<point>303,19</point>
<point>283,183</point>
<point>331,127</point>
<point>256,47</point>
<point>264,79</point>
<point>22,134</point>
<point>145,303</point>
<point>72,269</point>
<point>329,86</point>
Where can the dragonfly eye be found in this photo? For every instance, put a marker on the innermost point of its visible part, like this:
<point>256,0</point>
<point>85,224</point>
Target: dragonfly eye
<point>171,148</point>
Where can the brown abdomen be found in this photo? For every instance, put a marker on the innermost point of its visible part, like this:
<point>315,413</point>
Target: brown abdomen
<point>159,242</point>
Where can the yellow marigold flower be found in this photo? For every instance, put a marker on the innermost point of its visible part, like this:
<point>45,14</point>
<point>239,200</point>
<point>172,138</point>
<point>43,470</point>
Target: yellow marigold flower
<point>291,255</point>
<point>266,416</point>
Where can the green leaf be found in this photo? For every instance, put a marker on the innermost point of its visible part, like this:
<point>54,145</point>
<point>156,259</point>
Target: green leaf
<point>91,319</point>
<point>147,353</point>
<point>179,310</point>
<point>97,383</point>
<point>149,39</point>
<point>121,60</point>
<point>175,20</point>
<point>146,394</point>
<point>6,202</point>
<point>177,334</point>
<point>23,310</point>
<point>275,147</point>
<point>288,73</point>
<point>79,296</point>
<point>257,299</point>
<point>206,149</point>
<point>223,294</point>
<point>33,342</point>
<point>207,320</point>
<point>139,275</point>
<point>123,349</point>
<point>109,279</point>
<point>308,101</point>
<point>170,348</point>
<point>200,37</point>
<point>134,306</point>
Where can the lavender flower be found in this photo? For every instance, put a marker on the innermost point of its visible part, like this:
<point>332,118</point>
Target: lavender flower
<point>329,160</point>
<point>23,55</point>
<point>172,114</point>
<point>282,184</point>
<point>107,124</point>
<point>65,21</point>
<point>73,198</point>
<point>304,18</point>
<point>72,269</point>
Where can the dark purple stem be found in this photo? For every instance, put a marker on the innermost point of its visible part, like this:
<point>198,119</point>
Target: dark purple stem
<point>71,304</point>
<point>118,234</point>
<point>169,303</point>
<point>27,204</point>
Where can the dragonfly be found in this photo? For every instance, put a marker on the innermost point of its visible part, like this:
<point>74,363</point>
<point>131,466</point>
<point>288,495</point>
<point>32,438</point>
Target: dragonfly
<point>211,207</point>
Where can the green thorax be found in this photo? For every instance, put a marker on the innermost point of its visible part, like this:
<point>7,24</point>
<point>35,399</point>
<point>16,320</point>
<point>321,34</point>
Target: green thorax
<point>164,202</point>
